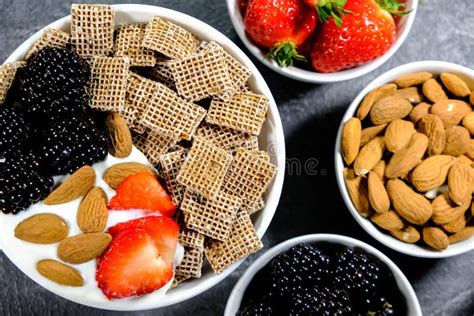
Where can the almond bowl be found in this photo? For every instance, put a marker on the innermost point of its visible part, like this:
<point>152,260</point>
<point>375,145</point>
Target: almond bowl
<point>416,250</point>
<point>271,139</point>
<point>404,25</point>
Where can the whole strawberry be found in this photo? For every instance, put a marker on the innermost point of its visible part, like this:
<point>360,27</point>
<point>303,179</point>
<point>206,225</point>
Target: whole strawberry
<point>366,33</point>
<point>281,26</point>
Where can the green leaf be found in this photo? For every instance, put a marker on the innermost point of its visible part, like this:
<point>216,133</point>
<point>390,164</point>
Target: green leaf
<point>284,53</point>
<point>393,7</point>
<point>332,8</point>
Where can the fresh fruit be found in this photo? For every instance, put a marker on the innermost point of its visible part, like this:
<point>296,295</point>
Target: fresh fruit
<point>44,228</point>
<point>75,186</point>
<point>132,266</point>
<point>92,213</point>
<point>281,26</point>
<point>162,229</point>
<point>320,301</point>
<point>83,247</point>
<point>59,272</point>
<point>366,33</point>
<point>14,132</point>
<point>120,138</point>
<point>142,191</point>
<point>115,174</point>
<point>329,9</point>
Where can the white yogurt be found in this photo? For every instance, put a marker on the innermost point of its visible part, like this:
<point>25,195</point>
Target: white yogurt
<point>25,255</point>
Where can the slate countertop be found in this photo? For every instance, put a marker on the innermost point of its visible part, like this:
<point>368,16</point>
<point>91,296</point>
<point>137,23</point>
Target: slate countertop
<point>443,30</point>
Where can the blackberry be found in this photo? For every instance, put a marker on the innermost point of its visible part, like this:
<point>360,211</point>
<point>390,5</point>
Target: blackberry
<point>53,84</point>
<point>70,143</point>
<point>13,129</point>
<point>381,307</point>
<point>21,182</point>
<point>262,308</point>
<point>320,301</point>
<point>300,266</point>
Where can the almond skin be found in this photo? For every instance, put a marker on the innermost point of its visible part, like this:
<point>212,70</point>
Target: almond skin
<point>404,160</point>
<point>388,109</point>
<point>450,111</point>
<point>120,138</point>
<point>468,122</point>
<point>59,273</point>
<point>398,134</point>
<point>456,224</point>
<point>457,141</point>
<point>445,210</point>
<point>115,174</point>
<point>370,133</point>
<point>408,234</point>
<point>378,195</point>
<point>93,213</point>
<point>84,247</point>
<point>433,90</point>
<point>75,186</point>
<point>372,97</point>
<point>455,84</point>
<point>379,169</point>
<point>462,235</point>
<point>435,238</point>
<point>460,178</point>
<point>44,228</point>
<point>431,172</point>
<point>358,191</point>
<point>351,134</point>
<point>412,206</point>
<point>388,220</point>
<point>432,126</point>
<point>412,79</point>
<point>369,156</point>
<point>411,94</point>
<point>419,111</point>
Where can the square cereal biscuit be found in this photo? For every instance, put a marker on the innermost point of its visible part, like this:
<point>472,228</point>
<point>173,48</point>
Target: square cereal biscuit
<point>211,217</point>
<point>191,238</point>
<point>49,38</point>
<point>244,112</point>
<point>191,265</point>
<point>129,43</point>
<point>92,29</point>
<point>162,73</point>
<point>169,39</point>
<point>156,145</point>
<point>178,279</point>
<point>7,75</point>
<point>205,167</point>
<point>171,163</point>
<point>243,241</point>
<point>224,137</point>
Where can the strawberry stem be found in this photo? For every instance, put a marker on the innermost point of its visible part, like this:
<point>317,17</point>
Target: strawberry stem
<point>332,8</point>
<point>393,7</point>
<point>284,53</point>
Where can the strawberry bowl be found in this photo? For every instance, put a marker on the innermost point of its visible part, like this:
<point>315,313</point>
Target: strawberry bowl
<point>271,138</point>
<point>404,24</point>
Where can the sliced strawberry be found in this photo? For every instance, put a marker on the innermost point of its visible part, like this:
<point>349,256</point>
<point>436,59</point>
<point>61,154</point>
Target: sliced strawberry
<point>162,229</point>
<point>142,191</point>
<point>132,266</point>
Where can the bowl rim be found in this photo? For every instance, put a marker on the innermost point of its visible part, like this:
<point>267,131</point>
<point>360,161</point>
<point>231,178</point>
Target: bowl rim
<point>312,76</point>
<point>382,237</point>
<point>275,188</point>
<point>235,298</point>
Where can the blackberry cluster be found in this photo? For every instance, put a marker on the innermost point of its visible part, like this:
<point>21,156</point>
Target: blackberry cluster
<point>258,308</point>
<point>14,131</point>
<point>320,301</point>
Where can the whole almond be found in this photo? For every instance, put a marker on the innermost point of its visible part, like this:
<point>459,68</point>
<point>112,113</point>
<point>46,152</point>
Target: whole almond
<point>445,210</point>
<point>378,196</point>
<point>75,186</point>
<point>460,178</point>
<point>464,160</point>
<point>388,109</point>
<point>120,138</point>
<point>419,110</point>
<point>115,174</point>
<point>462,235</point>
<point>432,126</point>
<point>84,247</point>
<point>92,213</point>
<point>457,141</point>
<point>404,160</point>
<point>370,133</point>
<point>358,191</point>
<point>455,84</point>
<point>431,172</point>
<point>468,122</point>
<point>398,134</point>
<point>433,90</point>
<point>412,206</point>
<point>351,134</point>
<point>450,111</point>
<point>372,97</point>
<point>369,156</point>
<point>44,228</point>
<point>456,224</point>
<point>59,273</point>
<point>412,79</point>
<point>379,169</point>
<point>435,238</point>
<point>408,234</point>
<point>388,220</point>
<point>470,152</point>
<point>411,94</point>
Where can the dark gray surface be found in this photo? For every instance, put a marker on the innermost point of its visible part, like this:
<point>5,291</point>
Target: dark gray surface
<point>443,30</point>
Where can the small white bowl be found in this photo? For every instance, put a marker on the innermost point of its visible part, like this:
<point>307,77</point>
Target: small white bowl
<point>235,298</point>
<point>415,250</point>
<point>271,139</point>
<point>403,28</point>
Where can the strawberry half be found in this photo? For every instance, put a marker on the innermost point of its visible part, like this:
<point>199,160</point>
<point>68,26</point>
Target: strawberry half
<point>132,266</point>
<point>163,230</point>
<point>142,191</point>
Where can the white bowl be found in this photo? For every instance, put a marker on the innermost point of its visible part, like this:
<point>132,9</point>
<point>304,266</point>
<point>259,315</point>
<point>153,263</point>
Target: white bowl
<point>271,139</point>
<point>235,298</point>
<point>383,237</point>
<point>403,26</point>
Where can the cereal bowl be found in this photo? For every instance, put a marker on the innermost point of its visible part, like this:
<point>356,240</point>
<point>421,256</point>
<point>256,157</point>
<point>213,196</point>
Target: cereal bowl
<point>435,67</point>
<point>404,25</point>
<point>271,138</point>
<point>237,294</point>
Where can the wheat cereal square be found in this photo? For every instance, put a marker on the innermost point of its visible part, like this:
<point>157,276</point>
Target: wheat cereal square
<point>129,43</point>
<point>223,137</point>
<point>7,75</point>
<point>49,38</point>
<point>191,265</point>
<point>171,163</point>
